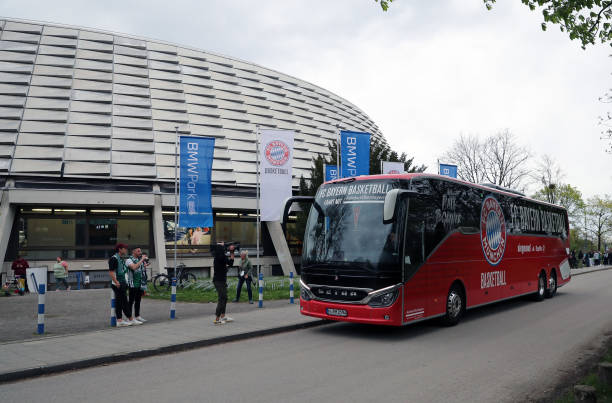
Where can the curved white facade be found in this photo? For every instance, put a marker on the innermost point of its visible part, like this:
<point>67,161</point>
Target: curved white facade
<point>78,103</point>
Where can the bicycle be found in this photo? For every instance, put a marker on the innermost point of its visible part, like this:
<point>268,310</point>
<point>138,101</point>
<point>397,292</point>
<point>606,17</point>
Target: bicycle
<point>163,282</point>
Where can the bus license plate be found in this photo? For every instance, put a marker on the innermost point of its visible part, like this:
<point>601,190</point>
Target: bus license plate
<point>336,312</point>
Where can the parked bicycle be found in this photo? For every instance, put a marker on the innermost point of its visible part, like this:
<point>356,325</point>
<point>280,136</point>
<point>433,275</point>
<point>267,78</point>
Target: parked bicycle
<point>163,282</point>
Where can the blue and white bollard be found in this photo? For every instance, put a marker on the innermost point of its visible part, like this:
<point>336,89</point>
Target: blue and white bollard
<point>260,290</point>
<point>291,287</point>
<point>173,300</point>
<point>113,313</point>
<point>41,308</point>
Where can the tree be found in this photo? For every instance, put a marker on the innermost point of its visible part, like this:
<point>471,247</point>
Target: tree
<point>384,4</point>
<point>550,175</point>
<point>497,159</point>
<point>566,196</point>
<point>599,217</point>
<point>585,20</point>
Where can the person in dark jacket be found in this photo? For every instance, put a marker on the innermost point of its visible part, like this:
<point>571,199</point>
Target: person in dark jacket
<point>221,264</point>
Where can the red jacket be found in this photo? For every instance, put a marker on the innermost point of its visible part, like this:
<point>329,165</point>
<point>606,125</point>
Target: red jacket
<point>19,266</point>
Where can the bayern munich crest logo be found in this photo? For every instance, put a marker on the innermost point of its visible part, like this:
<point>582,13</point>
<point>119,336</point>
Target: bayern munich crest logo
<point>277,153</point>
<point>492,230</point>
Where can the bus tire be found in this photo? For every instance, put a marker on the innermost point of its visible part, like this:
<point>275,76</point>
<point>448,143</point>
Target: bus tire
<point>552,284</point>
<point>455,306</point>
<point>541,292</point>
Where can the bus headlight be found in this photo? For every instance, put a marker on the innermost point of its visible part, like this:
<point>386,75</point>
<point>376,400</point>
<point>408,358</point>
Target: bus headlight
<point>305,292</point>
<point>384,297</point>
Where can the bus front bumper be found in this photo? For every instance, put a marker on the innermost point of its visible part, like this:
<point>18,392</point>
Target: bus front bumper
<point>390,315</point>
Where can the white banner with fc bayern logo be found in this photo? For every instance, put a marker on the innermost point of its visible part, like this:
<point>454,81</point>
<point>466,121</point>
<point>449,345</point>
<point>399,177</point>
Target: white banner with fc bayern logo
<point>275,162</point>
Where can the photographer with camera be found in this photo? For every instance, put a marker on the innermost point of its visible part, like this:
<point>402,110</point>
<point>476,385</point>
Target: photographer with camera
<point>221,264</point>
<point>137,264</point>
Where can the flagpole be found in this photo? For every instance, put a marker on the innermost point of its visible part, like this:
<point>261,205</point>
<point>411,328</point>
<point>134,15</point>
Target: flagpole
<point>258,212</point>
<point>175,195</point>
<point>338,139</point>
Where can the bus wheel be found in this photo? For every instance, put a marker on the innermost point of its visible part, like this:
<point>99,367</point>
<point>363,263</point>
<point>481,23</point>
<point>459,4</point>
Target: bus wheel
<point>455,306</point>
<point>539,295</point>
<point>552,285</point>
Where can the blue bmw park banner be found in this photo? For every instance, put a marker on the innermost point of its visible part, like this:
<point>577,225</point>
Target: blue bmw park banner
<point>196,160</point>
<point>355,153</point>
<point>448,170</point>
<point>331,172</point>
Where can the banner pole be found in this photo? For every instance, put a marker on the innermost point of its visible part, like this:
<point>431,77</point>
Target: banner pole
<point>175,196</point>
<point>258,194</point>
<point>338,139</point>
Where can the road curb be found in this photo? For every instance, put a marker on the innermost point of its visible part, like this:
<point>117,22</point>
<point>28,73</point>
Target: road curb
<point>592,271</point>
<point>115,358</point>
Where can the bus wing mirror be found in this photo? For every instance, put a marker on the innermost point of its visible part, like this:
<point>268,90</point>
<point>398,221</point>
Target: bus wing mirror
<point>296,199</point>
<point>390,203</point>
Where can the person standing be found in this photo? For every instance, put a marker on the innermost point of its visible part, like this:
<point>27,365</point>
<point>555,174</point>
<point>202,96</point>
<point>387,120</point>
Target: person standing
<point>118,272</point>
<point>137,264</point>
<point>60,271</point>
<point>19,267</point>
<point>221,264</point>
<point>245,275</point>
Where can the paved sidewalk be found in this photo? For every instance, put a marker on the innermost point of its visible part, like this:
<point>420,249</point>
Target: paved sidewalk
<point>24,359</point>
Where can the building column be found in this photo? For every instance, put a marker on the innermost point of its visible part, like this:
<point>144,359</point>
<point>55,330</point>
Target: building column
<point>159,238</point>
<point>7,216</point>
<point>280,246</point>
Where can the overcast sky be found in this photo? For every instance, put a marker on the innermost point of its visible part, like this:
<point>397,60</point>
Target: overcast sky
<point>425,71</point>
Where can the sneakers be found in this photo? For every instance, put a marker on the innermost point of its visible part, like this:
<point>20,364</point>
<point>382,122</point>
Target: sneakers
<point>227,319</point>
<point>124,323</point>
<point>140,319</point>
<point>250,301</point>
<point>135,322</point>
<point>218,322</point>
<point>235,300</point>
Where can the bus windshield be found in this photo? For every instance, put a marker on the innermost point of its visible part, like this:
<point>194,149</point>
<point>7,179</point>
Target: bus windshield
<point>345,228</point>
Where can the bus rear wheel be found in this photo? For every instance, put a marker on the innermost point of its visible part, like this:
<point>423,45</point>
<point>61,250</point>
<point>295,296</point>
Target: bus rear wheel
<point>455,306</point>
<point>552,285</point>
<point>539,295</point>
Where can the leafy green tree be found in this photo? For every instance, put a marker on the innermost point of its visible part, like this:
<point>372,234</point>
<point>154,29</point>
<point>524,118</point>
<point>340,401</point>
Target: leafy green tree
<point>599,217</point>
<point>384,4</point>
<point>585,20</point>
<point>564,195</point>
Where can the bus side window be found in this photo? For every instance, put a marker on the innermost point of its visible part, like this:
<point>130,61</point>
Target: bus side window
<point>414,241</point>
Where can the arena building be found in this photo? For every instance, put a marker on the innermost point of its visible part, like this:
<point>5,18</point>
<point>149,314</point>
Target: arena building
<point>87,142</point>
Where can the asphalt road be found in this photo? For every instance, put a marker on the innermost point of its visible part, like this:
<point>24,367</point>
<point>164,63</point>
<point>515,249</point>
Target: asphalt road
<point>511,351</point>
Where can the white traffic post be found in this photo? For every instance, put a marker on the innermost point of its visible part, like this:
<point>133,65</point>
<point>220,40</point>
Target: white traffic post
<point>291,287</point>
<point>41,308</point>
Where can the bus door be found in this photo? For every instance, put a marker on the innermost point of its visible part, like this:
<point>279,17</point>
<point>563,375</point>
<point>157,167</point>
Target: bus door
<point>415,278</point>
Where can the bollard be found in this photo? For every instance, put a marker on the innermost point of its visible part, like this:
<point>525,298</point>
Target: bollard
<point>291,287</point>
<point>41,308</point>
<point>173,300</point>
<point>260,290</point>
<point>113,313</point>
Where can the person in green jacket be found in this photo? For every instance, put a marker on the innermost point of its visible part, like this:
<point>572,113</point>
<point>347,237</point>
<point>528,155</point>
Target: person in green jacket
<point>60,271</point>
<point>137,280</point>
<point>245,274</point>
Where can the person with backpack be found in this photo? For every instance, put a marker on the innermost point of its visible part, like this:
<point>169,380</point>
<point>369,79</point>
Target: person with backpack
<point>118,271</point>
<point>137,281</point>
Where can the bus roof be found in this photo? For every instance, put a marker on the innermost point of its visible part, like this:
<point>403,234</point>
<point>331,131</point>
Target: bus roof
<point>408,176</point>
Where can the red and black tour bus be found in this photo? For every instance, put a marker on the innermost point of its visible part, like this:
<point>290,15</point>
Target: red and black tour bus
<point>397,249</point>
